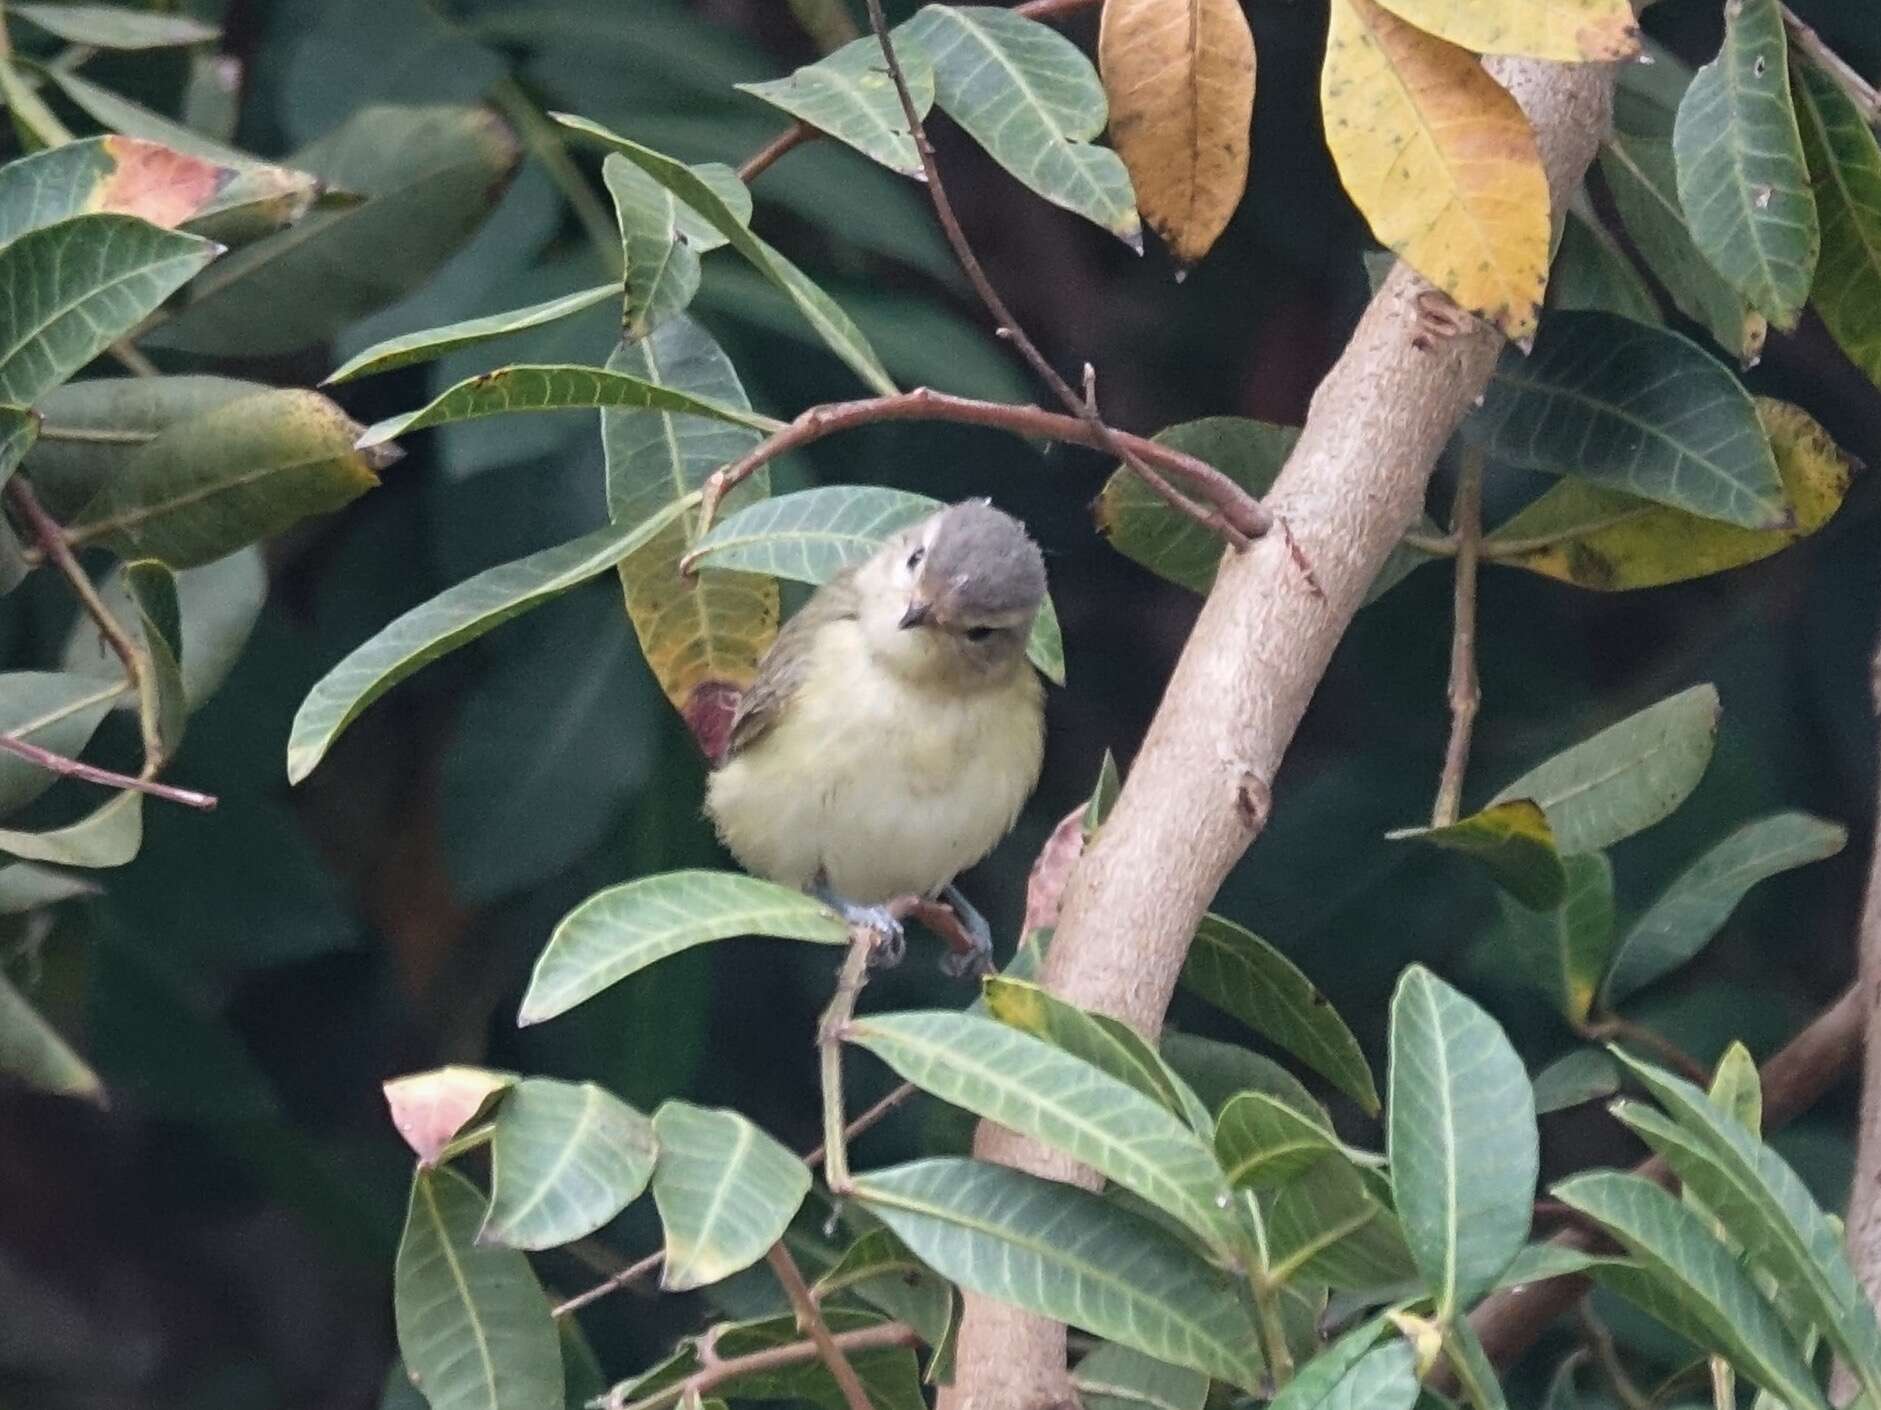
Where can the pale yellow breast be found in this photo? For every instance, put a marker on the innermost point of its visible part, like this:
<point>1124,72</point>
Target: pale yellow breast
<point>888,787</point>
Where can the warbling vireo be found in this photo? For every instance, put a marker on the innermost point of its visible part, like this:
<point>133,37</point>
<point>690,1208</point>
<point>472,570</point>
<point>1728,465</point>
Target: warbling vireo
<point>895,727</point>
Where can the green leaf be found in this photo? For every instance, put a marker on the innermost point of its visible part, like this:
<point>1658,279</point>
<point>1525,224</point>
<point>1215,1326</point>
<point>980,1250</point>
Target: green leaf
<point>1769,1211</point>
<point>834,326</point>
<point>565,1159</point>
<point>1461,1136</point>
<point>662,268</point>
<point>113,110</point>
<point>76,286</point>
<point>432,343</point>
<point>1261,1141</point>
<point>1514,841</point>
<point>1689,1281</point>
<point>1029,97</point>
<point>1742,178</point>
<point>1219,1072</point>
<point>115,26</point>
<point>1103,797</point>
<point>1642,174</point>
<point>1570,942</point>
<point>1737,1088</point>
<point>1474,1372</point>
<point>880,1269</point>
<point>702,634</point>
<point>1029,1086</point>
<point>25,887</point>
<point>451,619</point>
<point>54,710</point>
<point>812,535</point>
<point>1328,1229</point>
<point>1580,1076</point>
<point>208,485</point>
<point>553,388</point>
<point>1106,1043</point>
<point>622,930</point>
<point>1633,408</point>
<point>725,1192</point>
<point>1690,911</point>
<point>108,837</point>
<point>890,1375</point>
<point>1590,271</point>
<point>110,174</point>
<point>1383,1379</point>
<point>1324,1372</point>
<point>1241,974</point>
<point>1845,167</point>
<point>1627,777</point>
<point>32,1050</point>
<point>1143,528</point>
<point>1611,542</point>
<point>162,704</point>
<point>849,95</point>
<point>429,175</point>
<point>632,187</point>
<point>1114,1377</point>
<point>128,411</point>
<point>1068,1255</point>
<point>473,1325</point>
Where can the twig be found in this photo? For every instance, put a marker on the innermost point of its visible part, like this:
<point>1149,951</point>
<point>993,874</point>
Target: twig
<point>810,1321</point>
<point>829,1042</point>
<point>1859,90</point>
<point>73,768</point>
<point>544,142</point>
<point>1466,526</point>
<point>1234,504</point>
<point>718,1372</point>
<point>133,359</point>
<point>53,544</point>
<point>1607,1356</point>
<point>634,1272</point>
<point>1510,1321</point>
<point>1238,535</point>
<point>1054,9</point>
<point>760,161</point>
<point>1613,1028</point>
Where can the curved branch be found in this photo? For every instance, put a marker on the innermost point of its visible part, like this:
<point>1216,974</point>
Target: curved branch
<point>1200,789</point>
<point>1864,1203</point>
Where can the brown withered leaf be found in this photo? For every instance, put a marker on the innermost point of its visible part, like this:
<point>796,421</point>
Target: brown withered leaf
<point>1180,78</point>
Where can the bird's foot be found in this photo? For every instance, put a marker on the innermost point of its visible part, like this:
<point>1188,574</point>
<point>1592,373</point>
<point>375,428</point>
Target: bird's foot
<point>891,941</point>
<point>975,957</point>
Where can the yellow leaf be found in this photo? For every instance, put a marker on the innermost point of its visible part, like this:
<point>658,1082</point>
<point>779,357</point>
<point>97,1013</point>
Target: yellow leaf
<point>1441,162</point>
<point>1566,30</point>
<point>1612,542</point>
<point>1180,78</point>
<point>702,635</point>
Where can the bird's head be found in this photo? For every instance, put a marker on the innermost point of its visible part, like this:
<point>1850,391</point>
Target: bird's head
<point>955,594</point>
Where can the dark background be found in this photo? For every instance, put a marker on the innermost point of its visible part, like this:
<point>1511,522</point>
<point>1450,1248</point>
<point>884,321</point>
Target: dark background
<point>222,1236</point>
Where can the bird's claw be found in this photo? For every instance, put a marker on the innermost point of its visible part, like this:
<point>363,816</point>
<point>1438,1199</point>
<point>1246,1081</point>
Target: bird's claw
<point>891,941</point>
<point>976,959</point>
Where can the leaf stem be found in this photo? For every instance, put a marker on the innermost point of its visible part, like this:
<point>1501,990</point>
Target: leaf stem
<point>1466,696</point>
<point>718,1371</point>
<point>91,773</point>
<point>1236,522</point>
<point>1607,1356</point>
<point>1613,1028</point>
<point>1234,504</point>
<point>810,1321</point>
<point>1860,91</point>
<point>830,1031</point>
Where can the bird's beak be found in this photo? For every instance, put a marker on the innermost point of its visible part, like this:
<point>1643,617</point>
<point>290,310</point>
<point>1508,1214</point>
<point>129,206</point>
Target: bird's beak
<point>919,613</point>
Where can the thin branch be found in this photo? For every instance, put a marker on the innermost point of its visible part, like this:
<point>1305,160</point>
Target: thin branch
<point>1233,503</point>
<point>1466,696</point>
<point>1613,1028</point>
<point>830,1031</point>
<point>1055,9</point>
<point>718,1372</point>
<point>1860,91</point>
<point>634,1272</point>
<point>1237,534</point>
<point>91,773</point>
<point>790,138</point>
<point>53,545</point>
<point>1510,1321</point>
<point>810,1321</point>
<point>1606,1355</point>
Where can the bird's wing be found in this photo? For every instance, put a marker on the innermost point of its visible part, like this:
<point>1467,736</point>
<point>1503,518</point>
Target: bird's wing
<point>781,669</point>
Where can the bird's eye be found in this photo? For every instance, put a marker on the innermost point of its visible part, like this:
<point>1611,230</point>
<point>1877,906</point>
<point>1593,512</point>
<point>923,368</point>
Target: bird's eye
<point>980,633</point>
<point>914,559</point>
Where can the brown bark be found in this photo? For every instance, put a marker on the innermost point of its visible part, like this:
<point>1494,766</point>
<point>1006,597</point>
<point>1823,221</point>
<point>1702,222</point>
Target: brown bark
<point>1200,789</point>
<point>1864,1196</point>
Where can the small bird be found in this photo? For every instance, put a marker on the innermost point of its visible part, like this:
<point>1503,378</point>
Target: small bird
<point>895,727</point>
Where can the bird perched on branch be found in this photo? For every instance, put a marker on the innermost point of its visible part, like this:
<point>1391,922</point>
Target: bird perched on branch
<point>895,727</point>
